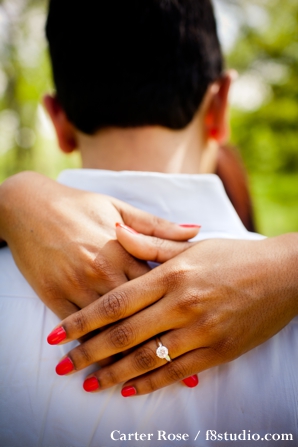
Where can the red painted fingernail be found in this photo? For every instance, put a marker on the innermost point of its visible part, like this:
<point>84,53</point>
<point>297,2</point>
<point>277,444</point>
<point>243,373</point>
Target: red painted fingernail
<point>189,226</point>
<point>91,384</point>
<point>126,227</point>
<point>191,381</point>
<point>128,391</point>
<point>56,336</point>
<point>64,367</point>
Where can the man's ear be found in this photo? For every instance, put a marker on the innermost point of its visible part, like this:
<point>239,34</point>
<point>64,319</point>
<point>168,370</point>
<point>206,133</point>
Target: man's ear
<point>65,131</point>
<point>216,116</point>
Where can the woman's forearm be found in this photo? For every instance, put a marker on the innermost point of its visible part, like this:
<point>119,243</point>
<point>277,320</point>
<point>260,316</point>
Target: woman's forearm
<point>15,193</point>
<point>6,201</point>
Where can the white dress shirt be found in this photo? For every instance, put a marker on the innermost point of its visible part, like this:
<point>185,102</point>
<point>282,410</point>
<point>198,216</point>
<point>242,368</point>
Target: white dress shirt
<point>255,395</point>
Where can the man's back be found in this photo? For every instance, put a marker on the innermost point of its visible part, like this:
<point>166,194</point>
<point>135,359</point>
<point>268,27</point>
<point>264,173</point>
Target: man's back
<point>257,392</point>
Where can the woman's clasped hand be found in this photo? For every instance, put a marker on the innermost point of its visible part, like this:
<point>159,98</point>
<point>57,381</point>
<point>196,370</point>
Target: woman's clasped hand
<point>200,303</point>
<point>77,257</point>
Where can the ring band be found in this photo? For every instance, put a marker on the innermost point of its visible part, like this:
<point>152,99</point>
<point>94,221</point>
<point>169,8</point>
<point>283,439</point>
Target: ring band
<point>162,352</point>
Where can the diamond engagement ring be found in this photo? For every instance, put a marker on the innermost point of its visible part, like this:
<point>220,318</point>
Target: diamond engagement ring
<point>162,352</point>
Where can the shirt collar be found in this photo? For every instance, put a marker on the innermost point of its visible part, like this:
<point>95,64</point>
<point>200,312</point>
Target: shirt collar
<point>182,198</point>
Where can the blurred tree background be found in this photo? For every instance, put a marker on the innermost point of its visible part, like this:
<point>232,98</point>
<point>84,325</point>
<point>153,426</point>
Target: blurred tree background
<point>26,136</point>
<point>260,40</point>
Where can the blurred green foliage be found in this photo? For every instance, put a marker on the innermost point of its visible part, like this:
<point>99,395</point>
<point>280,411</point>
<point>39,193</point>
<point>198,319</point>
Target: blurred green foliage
<point>26,138</point>
<point>268,136</point>
<point>265,123</point>
<point>266,57</point>
<point>264,113</point>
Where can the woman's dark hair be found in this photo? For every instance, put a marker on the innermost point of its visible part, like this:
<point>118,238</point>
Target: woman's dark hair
<point>131,63</point>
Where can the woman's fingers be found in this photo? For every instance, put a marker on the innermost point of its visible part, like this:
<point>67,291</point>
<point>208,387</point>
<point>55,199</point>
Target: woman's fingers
<point>183,368</point>
<point>118,338</point>
<point>149,248</point>
<point>116,305</point>
<point>151,225</point>
<point>138,362</point>
<point>142,360</point>
<point>135,268</point>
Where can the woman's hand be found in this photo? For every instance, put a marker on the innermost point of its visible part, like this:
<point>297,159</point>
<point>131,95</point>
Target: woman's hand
<point>208,304</point>
<point>63,240</point>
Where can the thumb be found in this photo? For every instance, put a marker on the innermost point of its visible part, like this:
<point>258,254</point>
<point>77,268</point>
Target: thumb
<point>148,248</point>
<point>151,225</point>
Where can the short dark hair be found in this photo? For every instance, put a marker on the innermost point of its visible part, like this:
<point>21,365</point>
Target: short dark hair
<point>130,63</point>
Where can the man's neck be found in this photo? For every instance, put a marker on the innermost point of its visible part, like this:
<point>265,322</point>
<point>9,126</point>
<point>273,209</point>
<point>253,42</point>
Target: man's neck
<point>151,148</point>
